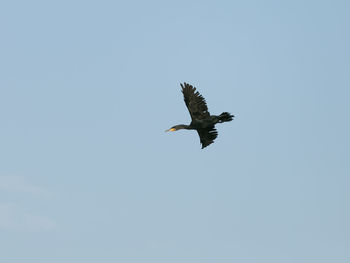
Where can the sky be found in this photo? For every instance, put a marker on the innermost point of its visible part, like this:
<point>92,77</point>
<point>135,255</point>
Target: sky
<point>87,173</point>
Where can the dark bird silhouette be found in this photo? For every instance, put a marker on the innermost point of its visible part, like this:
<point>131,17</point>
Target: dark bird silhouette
<point>202,121</point>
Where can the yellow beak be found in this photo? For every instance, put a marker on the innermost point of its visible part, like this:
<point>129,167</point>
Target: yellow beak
<point>172,129</point>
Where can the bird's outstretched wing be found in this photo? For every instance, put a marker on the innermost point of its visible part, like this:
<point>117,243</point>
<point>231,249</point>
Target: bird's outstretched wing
<point>207,136</point>
<point>195,102</point>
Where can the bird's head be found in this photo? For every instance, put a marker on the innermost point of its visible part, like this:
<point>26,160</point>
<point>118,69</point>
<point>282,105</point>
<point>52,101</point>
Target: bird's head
<point>171,129</point>
<point>176,127</point>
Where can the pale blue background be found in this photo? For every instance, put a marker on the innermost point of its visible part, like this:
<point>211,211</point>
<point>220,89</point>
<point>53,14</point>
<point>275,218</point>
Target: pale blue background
<point>87,173</point>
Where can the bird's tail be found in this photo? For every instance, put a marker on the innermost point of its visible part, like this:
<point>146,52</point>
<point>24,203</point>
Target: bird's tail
<point>225,116</point>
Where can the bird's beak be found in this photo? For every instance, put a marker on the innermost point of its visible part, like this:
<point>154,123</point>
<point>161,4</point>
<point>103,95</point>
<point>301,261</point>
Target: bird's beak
<point>172,129</point>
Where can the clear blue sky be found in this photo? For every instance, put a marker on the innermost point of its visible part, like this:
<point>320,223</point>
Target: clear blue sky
<point>87,173</point>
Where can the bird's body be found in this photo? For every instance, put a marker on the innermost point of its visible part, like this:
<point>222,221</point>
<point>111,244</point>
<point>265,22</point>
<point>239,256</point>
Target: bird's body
<point>202,121</point>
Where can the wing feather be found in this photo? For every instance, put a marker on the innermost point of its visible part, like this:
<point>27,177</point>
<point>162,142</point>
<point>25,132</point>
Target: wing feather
<point>195,102</point>
<point>207,136</point>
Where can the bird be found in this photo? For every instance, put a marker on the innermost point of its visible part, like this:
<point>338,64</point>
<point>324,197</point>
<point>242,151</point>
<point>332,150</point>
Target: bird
<point>202,121</point>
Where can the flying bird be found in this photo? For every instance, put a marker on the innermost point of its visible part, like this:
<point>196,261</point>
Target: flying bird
<point>202,121</point>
